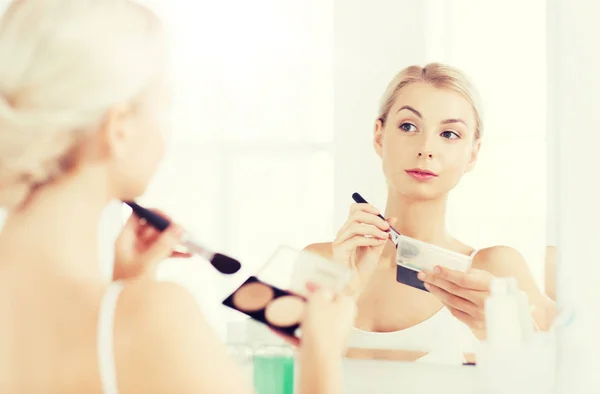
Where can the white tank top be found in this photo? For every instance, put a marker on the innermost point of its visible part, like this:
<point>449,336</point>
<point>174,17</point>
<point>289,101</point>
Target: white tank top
<point>444,337</point>
<point>106,327</point>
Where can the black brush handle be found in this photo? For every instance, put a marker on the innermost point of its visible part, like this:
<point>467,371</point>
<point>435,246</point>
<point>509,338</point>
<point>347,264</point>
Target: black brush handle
<point>155,220</point>
<point>359,199</point>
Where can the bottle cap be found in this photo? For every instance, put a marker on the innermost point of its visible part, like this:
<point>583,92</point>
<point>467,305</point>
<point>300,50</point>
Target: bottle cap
<point>499,286</point>
<point>513,287</point>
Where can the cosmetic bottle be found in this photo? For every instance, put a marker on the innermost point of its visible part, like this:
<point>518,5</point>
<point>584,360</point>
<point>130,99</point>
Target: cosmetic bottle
<point>503,315</point>
<point>514,359</point>
<point>274,369</point>
<point>524,309</point>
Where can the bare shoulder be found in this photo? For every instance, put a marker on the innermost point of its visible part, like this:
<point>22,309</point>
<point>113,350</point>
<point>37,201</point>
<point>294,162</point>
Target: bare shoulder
<point>163,343</point>
<point>323,249</point>
<point>500,260</point>
<point>504,261</point>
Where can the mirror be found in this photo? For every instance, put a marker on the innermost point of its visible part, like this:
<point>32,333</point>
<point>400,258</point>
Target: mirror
<point>274,120</point>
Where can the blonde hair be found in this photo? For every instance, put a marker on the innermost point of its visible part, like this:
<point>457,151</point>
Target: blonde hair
<point>441,76</point>
<point>65,63</point>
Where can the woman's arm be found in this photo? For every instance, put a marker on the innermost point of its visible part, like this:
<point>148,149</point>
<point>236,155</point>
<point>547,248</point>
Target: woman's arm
<point>504,261</point>
<point>465,293</point>
<point>550,272</point>
<point>164,344</point>
<point>325,328</point>
<point>320,371</point>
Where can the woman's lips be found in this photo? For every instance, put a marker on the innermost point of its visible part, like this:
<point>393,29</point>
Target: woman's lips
<point>421,175</point>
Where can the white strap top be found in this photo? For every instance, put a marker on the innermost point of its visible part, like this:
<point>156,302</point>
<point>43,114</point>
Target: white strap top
<point>444,337</point>
<point>106,326</point>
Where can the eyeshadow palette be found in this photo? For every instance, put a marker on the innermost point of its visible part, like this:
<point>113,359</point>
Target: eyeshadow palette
<point>276,293</point>
<point>279,309</point>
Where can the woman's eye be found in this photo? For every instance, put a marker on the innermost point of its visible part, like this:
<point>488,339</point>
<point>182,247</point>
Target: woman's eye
<point>408,127</point>
<point>450,135</point>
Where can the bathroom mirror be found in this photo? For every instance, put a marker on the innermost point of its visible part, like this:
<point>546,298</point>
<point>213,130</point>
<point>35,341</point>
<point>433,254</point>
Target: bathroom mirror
<point>273,122</point>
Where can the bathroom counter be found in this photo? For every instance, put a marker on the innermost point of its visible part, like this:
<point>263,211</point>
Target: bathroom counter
<point>374,376</point>
<point>393,377</point>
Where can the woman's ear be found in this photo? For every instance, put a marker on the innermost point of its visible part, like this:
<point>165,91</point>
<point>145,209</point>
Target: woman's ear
<point>474,156</point>
<point>115,133</point>
<point>378,137</point>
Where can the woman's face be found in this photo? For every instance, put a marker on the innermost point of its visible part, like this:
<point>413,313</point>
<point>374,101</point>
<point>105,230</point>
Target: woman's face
<point>427,141</point>
<point>144,133</point>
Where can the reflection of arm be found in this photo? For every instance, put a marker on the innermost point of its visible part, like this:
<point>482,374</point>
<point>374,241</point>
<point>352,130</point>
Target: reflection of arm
<point>550,272</point>
<point>503,261</point>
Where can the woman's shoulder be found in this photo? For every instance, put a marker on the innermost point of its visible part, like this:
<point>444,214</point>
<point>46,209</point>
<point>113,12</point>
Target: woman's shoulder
<point>162,341</point>
<point>159,302</point>
<point>499,260</point>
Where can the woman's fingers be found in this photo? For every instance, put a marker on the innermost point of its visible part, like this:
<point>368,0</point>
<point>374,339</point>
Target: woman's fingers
<point>365,217</point>
<point>359,229</point>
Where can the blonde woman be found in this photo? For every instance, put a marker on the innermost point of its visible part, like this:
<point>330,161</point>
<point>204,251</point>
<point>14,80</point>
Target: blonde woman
<point>428,133</point>
<point>83,96</point>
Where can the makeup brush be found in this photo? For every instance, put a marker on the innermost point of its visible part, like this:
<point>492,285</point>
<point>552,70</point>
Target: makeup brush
<point>223,264</point>
<point>404,275</point>
<point>395,235</point>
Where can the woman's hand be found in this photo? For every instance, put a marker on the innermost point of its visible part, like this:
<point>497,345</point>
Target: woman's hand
<point>140,247</point>
<point>360,243</point>
<point>463,293</point>
<point>328,320</point>
<point>327,323</point>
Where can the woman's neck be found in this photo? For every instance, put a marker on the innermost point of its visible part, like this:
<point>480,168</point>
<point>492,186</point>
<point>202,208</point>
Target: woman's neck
<point>56,232</point>
<point>424,220</point>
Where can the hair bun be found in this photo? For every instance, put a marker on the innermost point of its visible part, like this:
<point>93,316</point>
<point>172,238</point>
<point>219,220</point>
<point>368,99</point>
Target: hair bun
<point>28,158</point>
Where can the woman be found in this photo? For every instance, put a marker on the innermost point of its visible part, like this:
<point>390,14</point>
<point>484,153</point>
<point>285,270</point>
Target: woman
<point>550,272</point>
<point>428,134</point>
<point>82,104</point>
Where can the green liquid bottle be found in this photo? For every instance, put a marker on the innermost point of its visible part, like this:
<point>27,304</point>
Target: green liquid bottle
<point>274,370</point>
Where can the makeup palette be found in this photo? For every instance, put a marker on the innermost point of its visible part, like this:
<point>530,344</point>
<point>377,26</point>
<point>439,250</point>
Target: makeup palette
<point>279,309</point>
<point>276,294</point>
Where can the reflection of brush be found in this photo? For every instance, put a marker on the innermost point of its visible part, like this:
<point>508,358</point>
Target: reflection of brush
<point>395,235</point>
<point>222,263</point>
<point>404,275</point>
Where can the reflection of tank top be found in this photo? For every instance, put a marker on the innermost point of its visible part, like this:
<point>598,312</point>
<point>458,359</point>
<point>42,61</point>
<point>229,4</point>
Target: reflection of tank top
<point>444,337</point>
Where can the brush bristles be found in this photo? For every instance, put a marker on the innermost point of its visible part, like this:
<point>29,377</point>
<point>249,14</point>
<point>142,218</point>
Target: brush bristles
<point>225,264</point>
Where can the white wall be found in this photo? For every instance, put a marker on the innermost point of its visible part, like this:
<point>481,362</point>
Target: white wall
<point>574,64</point>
